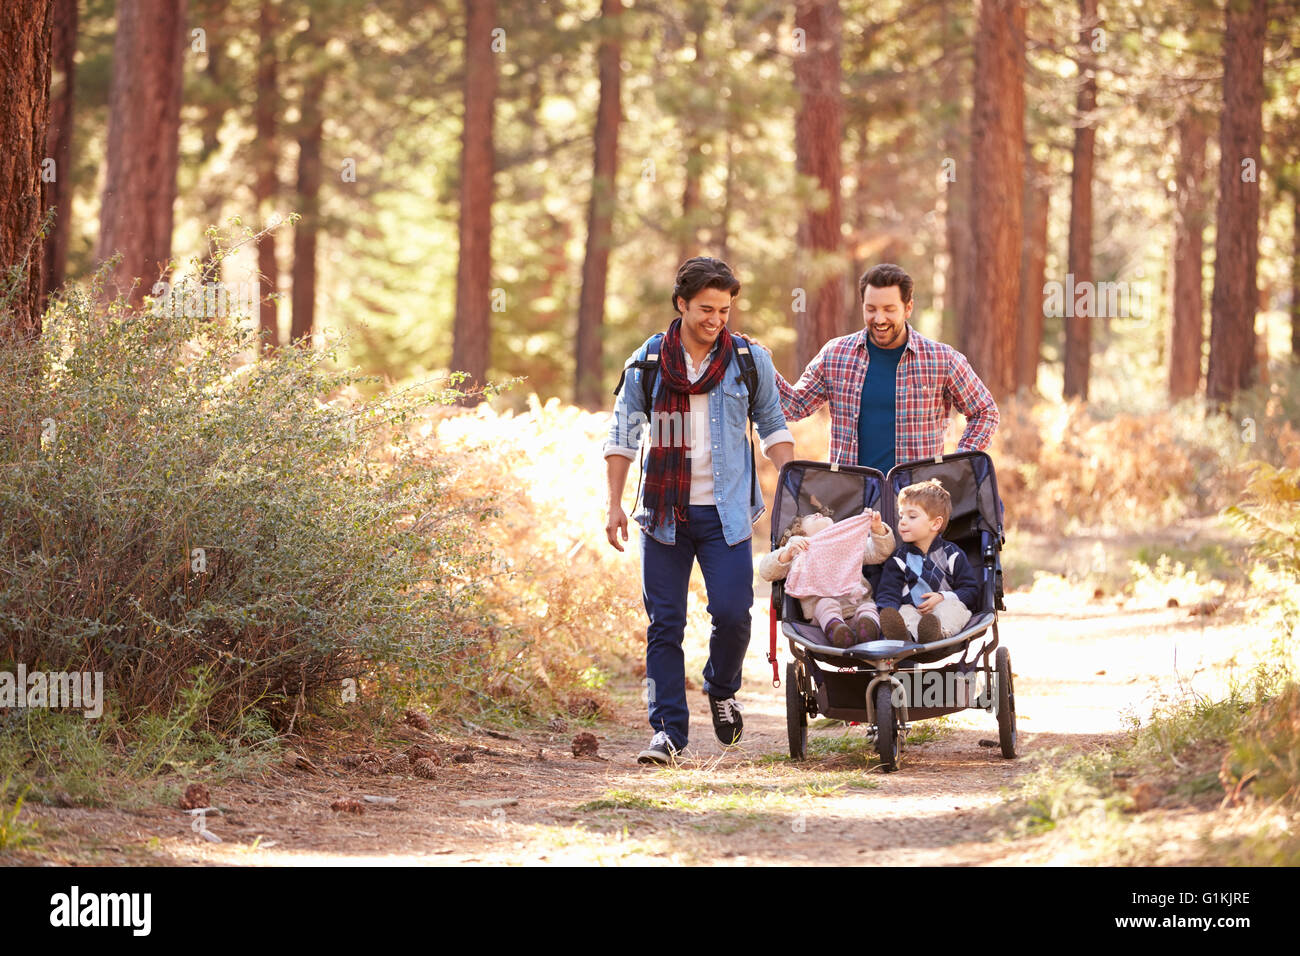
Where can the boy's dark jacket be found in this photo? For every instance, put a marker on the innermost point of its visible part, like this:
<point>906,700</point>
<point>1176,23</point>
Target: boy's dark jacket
<point>950,560</point>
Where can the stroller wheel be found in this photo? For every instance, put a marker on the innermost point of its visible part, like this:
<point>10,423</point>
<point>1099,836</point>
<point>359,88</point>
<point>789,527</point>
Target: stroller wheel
<point>886,726</point>
<point>796,712</point>
<point>1006,703</point>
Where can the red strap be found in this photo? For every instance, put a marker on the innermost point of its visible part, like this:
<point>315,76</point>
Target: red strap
<point>771,654</point>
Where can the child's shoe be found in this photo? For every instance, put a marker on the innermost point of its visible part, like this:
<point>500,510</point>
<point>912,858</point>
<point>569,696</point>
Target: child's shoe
<point>892,625</point>
<point>867,628</point>
<point>928,629</point>
<point>842,635</point>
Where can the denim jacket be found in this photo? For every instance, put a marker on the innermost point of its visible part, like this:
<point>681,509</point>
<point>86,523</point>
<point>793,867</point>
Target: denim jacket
<point>729,404</point>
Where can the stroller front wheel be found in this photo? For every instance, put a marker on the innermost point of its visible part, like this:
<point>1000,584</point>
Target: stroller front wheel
<point>886,726</point>
<point>796,712</point>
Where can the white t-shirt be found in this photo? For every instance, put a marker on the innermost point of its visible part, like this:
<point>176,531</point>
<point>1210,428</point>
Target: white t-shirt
<point>700,451</point>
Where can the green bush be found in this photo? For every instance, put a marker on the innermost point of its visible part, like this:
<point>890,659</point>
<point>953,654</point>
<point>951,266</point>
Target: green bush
<point>169,501</point>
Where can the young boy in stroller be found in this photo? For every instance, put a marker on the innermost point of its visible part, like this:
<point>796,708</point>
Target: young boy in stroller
<point>927,587</point>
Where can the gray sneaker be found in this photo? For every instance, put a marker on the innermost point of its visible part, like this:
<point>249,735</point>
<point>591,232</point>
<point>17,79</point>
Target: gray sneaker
<point>659,751</point>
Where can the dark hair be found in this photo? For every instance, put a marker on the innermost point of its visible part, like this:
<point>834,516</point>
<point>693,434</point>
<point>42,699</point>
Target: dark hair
<point>885,275</point>
<point>700,273</point>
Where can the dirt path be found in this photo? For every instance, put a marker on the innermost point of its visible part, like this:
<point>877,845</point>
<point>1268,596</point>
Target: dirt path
<point>1082,667</point>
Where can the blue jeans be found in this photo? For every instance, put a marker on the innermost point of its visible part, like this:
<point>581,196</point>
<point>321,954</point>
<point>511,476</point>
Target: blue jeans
<point>665,576</point>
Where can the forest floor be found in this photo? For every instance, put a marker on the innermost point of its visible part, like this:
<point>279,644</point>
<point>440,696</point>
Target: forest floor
<point>1085,665</point>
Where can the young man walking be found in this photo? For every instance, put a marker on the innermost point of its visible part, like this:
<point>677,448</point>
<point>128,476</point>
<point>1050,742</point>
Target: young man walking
<point>700,496</point>
<point>891,389</point>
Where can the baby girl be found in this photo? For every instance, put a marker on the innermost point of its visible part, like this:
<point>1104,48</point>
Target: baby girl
<point>821,562</point>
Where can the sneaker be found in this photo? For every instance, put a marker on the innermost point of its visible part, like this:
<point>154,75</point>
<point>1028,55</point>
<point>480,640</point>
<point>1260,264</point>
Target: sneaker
<point>928,629</point>
<point>842,635</point>
<point>727,722</point>
<point>893,626</point>
<point>660,751</point>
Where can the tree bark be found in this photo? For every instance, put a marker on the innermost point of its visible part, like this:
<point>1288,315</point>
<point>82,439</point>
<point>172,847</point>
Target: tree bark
<point>1295,276</point>
<point>58,147</point>
<point>267,186</point>
<point>956,221</point>
<point>694,167</point>
<point>997,166</point>
<point>143,139</point>
<point>305,235</point>
<point>471,334</point>
<point>1078,317</point>
<point>588,368</point>
<point>25,38</point>
<point>1187,332</point>
<point>1236,250</point>
<point>819,130</point>
<point>1033,269</point>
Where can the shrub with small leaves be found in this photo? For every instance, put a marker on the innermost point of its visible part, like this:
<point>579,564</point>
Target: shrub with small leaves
<point>172,500</point>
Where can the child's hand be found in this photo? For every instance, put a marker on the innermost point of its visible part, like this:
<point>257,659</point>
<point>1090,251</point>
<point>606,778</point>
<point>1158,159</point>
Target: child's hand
<point>877,526</point>
<point>929,602</point>
<point>797,545</point>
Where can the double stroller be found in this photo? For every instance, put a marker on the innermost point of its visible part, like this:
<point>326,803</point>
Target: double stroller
<point>883,683</point>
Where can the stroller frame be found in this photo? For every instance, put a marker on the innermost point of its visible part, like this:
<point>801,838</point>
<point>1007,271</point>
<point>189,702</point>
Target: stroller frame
<point>881,682</point>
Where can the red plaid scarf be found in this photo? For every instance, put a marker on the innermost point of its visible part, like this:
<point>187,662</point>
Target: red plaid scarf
<point>667,474</point>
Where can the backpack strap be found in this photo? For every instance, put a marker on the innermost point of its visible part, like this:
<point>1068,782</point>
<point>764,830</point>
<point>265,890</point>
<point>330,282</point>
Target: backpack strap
<point>749,375</point>
<point>649,368</point>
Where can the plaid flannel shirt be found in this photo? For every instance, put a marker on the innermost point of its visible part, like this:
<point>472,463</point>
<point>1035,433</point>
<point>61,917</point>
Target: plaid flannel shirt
<point>933,378</point>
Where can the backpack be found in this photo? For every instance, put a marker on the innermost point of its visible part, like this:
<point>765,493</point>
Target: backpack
<point>649,367</point>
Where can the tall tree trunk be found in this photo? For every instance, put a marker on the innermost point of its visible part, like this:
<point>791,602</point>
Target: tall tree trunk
<point>1295,275</point>
<point>214,115</point>
<point>135,217</point>
<point>1078,320</point>
<point>957,286</point>
<point>58,146</point>
<point>819,130</point>
<point>305,235</point>
<point>694,167</point>
<point>728,195</point>
<point>1187,332</point>
<point>267,186</point>
<point>472,332</point>
<point>1033,268</point>
<point>600,214</point>
<point>1236,251</point>
<point>997,138</point>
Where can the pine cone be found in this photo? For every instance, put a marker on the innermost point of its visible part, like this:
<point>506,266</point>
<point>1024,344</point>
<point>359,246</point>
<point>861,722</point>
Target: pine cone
<point>421,752</point>
<point>424,768</point>
<point>347,806</point>
<point>417,719</point>
<point>371,765</point>
<point>196,796</point>
<point>398,764</point>
<point>582,705</point>
<point>585,745</point>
